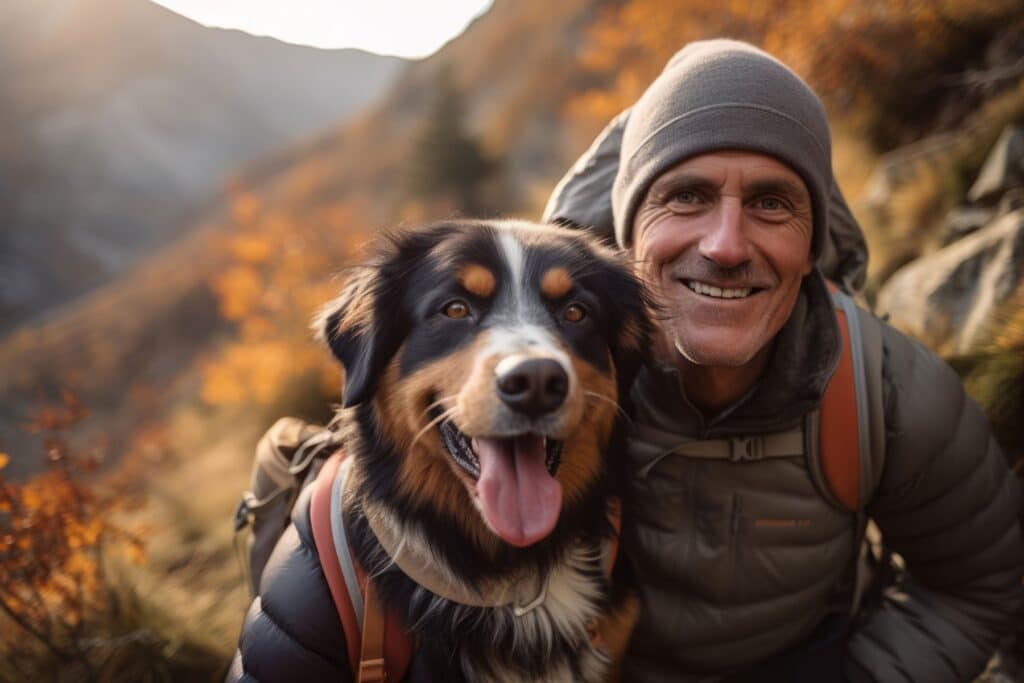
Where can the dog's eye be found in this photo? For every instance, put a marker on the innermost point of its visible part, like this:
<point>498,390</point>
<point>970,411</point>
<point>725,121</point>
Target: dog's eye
<point>456,310</point>
<point>574,313</point>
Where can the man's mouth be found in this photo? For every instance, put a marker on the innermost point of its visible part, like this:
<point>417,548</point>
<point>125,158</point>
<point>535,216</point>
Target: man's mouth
<point>716,292</point>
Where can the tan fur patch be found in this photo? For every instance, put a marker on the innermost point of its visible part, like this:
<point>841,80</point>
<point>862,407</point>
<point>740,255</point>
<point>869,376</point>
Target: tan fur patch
<point>427,474</point>
<point>463,382</point>
<point>556,283</point>
<point>581,454</point>
<point>614,631</point>
<point>477,280</point>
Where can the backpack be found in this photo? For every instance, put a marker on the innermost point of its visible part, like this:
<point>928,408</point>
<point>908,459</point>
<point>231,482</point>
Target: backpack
<point>843,443</point>
<point>290,457</point>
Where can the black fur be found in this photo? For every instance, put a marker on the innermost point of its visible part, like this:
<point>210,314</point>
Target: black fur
<point>407,281</point>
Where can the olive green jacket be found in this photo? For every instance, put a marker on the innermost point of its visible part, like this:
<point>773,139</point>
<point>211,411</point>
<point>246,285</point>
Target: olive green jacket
<point>738,561</point>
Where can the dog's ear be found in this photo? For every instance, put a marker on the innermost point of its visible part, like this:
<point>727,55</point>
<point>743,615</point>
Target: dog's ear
<point>631,347</point>
<point>363,329</point>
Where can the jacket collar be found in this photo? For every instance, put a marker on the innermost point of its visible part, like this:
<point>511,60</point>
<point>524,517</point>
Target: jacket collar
<point>804,357</point>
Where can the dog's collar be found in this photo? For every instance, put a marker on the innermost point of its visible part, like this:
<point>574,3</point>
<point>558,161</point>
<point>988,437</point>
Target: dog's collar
<point>420,565</point>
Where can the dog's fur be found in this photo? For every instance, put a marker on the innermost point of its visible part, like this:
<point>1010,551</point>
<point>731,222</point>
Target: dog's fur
<point>411,362</point>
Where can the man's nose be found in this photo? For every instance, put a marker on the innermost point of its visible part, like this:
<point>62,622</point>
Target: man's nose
<point>725,243</point>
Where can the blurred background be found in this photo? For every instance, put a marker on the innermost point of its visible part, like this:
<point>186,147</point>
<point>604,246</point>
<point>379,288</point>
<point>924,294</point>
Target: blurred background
<point>177,200</point>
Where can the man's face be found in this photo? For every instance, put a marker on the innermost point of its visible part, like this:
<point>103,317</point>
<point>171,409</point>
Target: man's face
<point>723,240</point>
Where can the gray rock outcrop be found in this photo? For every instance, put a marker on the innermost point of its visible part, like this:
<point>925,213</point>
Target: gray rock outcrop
<point>948,298</point>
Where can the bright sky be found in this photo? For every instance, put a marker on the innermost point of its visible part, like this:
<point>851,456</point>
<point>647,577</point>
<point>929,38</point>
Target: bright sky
<point>407,28</point>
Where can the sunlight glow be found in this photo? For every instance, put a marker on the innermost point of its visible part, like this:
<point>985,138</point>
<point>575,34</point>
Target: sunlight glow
<point>405,28</point>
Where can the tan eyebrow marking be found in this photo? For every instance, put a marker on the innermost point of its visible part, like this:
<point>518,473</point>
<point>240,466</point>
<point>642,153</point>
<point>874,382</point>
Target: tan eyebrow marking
<point>556,283</point>
<point>477,280</point>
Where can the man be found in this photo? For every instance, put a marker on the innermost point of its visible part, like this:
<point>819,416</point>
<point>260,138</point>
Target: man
<point>719,181</point>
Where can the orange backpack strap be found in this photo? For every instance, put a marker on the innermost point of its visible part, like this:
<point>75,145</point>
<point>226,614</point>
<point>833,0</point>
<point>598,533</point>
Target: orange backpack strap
<point>376,642</point>
<point>840,435</point>
<point>850,429</point>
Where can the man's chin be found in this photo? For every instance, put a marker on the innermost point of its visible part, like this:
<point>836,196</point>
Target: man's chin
<point>721,354</point>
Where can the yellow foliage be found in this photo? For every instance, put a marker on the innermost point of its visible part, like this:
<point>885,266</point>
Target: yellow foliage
<point>240,290</point>
<point>250,249</point>
<point>57,526</point>
<point>849,51</point>
<point>281,275</point>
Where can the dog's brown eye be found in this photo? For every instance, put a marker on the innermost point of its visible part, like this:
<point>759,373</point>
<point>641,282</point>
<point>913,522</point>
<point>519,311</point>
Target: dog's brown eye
<point>574,313</point>
<point>456,309</point>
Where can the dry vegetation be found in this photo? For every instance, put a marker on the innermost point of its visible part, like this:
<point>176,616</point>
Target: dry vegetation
<point>272,256</point>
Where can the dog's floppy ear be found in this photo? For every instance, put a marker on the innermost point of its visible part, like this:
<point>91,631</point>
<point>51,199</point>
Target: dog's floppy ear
<point>631,346</point>
<point>363,329</point>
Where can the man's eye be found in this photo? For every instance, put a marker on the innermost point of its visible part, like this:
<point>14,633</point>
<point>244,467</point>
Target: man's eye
<point>686,197</point>
<point>770,204</point>
<point>456,310</point>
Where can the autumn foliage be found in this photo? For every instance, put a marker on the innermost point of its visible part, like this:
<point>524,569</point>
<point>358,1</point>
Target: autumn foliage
<point>55,530</point>
<point>282,270</point>
<point>860,56</point>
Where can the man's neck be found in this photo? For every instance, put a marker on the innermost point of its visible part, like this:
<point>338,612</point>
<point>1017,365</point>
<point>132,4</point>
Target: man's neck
<point>712,388</point>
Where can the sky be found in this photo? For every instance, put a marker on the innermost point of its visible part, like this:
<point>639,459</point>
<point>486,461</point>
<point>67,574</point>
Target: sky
<point>405,28</point>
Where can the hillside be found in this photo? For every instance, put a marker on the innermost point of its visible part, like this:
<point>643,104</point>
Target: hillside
<point>197,348</point>
<point>170,313</point>
<point>121,120</point>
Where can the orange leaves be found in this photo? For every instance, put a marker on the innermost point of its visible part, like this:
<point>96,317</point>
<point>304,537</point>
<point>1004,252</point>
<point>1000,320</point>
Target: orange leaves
<point>56,417</point>
<point>54,528</point>
<point>282,264</point>
<point>858,56</point>
<point>239,291</point>
<point>250,249</point>
<point>255,372</point>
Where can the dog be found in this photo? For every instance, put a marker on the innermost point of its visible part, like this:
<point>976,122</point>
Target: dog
<point>486,365</point>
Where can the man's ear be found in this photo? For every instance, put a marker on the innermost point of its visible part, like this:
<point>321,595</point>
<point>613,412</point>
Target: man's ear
<point>362,328</point>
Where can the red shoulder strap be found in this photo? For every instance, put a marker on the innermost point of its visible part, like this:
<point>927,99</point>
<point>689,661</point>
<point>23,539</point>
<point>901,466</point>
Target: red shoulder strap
<point>387,647</point>
<point>839,446</point>
<point>615,517</point>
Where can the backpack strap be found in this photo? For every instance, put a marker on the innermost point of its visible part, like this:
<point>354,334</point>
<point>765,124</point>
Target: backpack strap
<point>842,427</point>
<point>843,441</point>
<point>852,428</point>
<point>376,642</point>
<point>850,423</point>
<point>320,520</point>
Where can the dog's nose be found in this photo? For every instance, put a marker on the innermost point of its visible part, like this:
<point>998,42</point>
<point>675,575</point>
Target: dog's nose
<point>532,386</point>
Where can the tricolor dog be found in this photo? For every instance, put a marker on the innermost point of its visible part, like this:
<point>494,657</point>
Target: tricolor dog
<point>485,367</point>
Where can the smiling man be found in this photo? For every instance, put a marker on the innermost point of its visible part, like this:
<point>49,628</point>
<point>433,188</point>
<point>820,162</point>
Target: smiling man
<point>725,239</point>
<point>719,181</point>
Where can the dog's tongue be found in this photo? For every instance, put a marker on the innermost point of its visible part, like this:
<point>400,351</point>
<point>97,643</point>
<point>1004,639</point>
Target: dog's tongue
<point>520,499</point>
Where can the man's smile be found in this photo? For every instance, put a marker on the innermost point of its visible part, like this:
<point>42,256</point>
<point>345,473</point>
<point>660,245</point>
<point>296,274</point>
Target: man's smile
<point>719,292</point>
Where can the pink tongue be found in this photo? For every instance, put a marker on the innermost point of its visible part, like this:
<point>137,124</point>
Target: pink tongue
<point>520,500</point>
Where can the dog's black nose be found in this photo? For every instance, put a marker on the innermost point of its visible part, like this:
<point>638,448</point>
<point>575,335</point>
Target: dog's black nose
<point>532,386</point>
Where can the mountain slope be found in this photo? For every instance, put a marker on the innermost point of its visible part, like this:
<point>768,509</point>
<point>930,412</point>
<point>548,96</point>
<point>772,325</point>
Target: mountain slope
<point>121,118</point>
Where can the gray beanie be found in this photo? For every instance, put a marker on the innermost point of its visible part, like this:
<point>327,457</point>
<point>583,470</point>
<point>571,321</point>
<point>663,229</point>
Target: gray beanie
<point>723,95</point>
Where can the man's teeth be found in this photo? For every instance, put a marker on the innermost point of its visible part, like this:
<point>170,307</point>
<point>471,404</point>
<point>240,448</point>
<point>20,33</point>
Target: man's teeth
<point>718,292</point>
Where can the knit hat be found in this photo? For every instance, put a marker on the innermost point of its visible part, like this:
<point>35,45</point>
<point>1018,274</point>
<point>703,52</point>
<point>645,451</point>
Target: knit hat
<point>718,95</point>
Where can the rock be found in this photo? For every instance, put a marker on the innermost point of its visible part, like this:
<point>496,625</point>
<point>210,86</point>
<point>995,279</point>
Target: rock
<point>948,299</point>
<point>1003,169</point>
